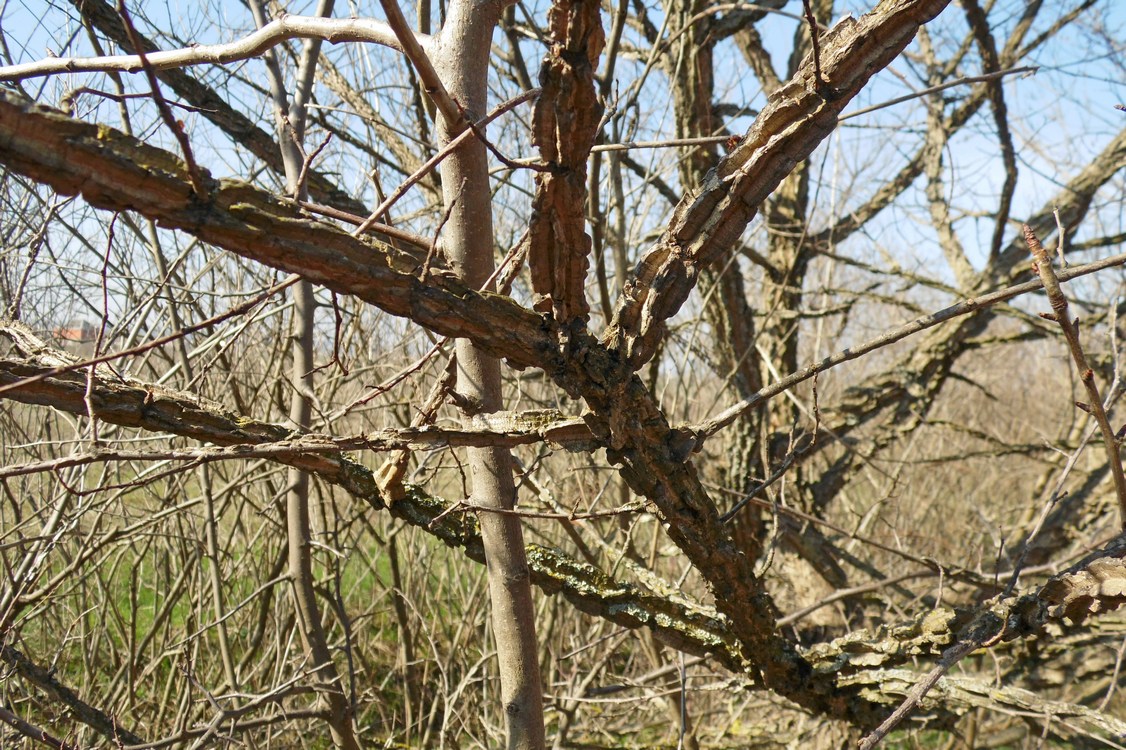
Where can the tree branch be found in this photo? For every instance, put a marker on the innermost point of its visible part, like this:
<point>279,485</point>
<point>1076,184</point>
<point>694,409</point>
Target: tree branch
<point>334,30</point>
<point>215,108</point>
<point>1061,315</point>
<point>46,681</point>
<point>116,172</point>
<point>797,118</point>
<point>564,125</point>
<point>155,408</point>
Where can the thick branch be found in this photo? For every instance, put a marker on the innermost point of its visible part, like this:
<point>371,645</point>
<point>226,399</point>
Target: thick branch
<point>798,117</point>
<point>1096,585</point>
<point>116,172</point>
<point>460,63</point>
<point>155,408</point>
<point>564,126</point>
<point>1093,586</point>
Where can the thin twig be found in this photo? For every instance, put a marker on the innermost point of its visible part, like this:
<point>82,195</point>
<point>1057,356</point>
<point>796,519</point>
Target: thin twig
<point>392,381</point>
<point>814,33</point>
<point>713,425</point>
<point>1028,70</point>
<point>1061,237</point>
<point>503,275</point>
<point>374,227</point>
<point>47,680</point>
<point>433,249</point>
<point>414,51</point>
<point>1058,493</point>
<point>938,566</point>
<point>468,507</point>
<point>712,139</point>
<point>437,158</point>
<point>953,655</point>
<point>31,731</point>
<point>141,348</point>
<point>69,100</point>
<point>306,164</point>
<point>532,164</point>
<point>1061,315</point>
<point>670,143</point>
<point>173,124</point>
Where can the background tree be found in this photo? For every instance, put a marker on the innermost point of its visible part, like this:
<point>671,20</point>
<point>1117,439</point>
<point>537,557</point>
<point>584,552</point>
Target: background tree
<point>706,320</point>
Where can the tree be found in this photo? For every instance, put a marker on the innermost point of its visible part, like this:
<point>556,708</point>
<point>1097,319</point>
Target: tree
<point>525,333</point>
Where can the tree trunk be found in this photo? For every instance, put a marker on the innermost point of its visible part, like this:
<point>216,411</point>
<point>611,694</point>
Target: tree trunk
<point>291,118</point>
<point>461,59</point>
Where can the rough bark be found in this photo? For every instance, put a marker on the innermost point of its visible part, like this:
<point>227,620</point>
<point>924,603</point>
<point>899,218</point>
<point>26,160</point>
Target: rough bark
<point>624,416</point>
<point>797,118</point>
<point>873,661</point>
<point>155,408</point>
<point>564,125</point>
<point>116,172</point>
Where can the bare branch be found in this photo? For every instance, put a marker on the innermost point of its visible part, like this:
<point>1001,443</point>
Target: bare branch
<point>707,224</point>
<point>48,682</point>
<point>966,307</point>
<point>171,122</point>
<point>415,50</point>
<point>1061,314</point>
<point>565,122</point>
<point>114,171</point>
<point>334,30</point>
<point>163,410</point>
<point>33,732</point>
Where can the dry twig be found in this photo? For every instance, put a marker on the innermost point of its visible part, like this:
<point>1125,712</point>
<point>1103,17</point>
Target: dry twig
<point>1061,315</point>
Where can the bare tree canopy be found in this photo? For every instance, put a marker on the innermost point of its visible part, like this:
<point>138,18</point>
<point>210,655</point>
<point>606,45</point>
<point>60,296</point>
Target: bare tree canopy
<point>563,374</point>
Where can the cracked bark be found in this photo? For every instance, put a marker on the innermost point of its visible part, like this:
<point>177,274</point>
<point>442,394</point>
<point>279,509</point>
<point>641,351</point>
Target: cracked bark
<point>865,659</point>
<point>114,173</point>
<point>132,403</point>
<point>797,118</point>
<point>564,125</point>
<point>624,415</point>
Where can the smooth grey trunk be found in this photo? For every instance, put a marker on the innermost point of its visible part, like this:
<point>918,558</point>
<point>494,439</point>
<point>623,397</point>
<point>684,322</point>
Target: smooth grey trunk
<point>461,57</point>
<point>291,119</point>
